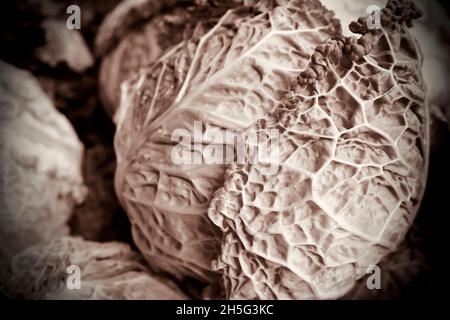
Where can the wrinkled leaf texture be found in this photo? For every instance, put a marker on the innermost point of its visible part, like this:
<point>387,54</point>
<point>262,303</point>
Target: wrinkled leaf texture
<point>226,77</point>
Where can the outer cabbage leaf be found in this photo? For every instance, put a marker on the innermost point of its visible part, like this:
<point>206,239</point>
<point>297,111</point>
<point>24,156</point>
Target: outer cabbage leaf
<point>432,31</point>
<point>227,77</point>
<point>125,16</point>
<point>147,41</point>
<point>108,270</point>
<point>351,174</point>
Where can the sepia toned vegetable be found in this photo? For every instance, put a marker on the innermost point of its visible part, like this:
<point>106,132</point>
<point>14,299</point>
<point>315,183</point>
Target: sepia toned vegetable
<point>40,165</point>
<point>106,271</point>
<point>126,46</point>
<point>126,16</point>
<point>352,170</point>
<point>225,77</point>
<point>155,34</point>
<point>432,31</point>
<point>264,149</point>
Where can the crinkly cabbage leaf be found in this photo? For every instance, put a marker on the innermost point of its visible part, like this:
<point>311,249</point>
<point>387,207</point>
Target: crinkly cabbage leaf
<point>148,40</point>
<point>350,175</point>
<point>225,77</point>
